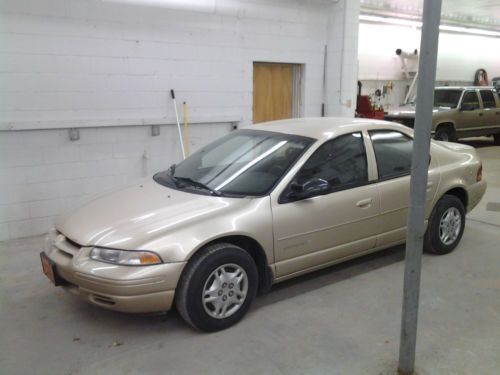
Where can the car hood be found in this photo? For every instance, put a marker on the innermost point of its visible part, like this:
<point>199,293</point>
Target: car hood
<point>408,111</point>
<point>129,217</point>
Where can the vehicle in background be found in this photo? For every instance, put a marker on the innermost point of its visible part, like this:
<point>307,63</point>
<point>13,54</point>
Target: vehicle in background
<point>495,82</point>
<point>459,112</point>
<point>256,207</point>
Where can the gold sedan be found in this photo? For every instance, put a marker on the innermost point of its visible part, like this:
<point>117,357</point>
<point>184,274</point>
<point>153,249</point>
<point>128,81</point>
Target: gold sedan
<point>256,207</point>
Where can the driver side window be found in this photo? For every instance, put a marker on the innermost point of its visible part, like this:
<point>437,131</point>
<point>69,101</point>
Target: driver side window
<point>341,161</point>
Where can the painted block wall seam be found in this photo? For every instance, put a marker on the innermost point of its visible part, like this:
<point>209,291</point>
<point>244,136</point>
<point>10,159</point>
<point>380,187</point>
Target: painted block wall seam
<point>32,195</point>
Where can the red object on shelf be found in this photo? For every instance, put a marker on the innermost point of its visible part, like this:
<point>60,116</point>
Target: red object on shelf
<point>364,109</point>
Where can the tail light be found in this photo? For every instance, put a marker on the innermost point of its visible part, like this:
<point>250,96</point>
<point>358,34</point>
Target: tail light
<point>479,175</point>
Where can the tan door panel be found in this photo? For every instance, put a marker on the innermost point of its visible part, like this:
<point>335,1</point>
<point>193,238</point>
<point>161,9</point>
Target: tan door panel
<point>394,203</point>
<point>333,220</point>
<point>272,91</point>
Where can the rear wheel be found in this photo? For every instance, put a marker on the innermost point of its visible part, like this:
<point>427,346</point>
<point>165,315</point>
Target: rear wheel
<point>445,133</point>
<point>446,226</point>
<point>217,287</point>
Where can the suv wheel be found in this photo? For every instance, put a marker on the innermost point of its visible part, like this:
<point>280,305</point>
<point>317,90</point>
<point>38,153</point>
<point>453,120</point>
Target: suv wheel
<point>445,133</point>
<point>446,226</point>
<point>217,287</point>
<point>496,139</point>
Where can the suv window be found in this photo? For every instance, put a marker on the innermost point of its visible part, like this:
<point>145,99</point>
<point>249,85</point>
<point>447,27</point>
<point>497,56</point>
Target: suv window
<point>393,153</point>
<point>470,99</point>
<point>488,99</point>
<point>341,162</point>
<point>446,98</point>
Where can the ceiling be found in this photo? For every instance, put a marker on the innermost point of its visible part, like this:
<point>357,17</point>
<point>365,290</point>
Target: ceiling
<point>479,13</point>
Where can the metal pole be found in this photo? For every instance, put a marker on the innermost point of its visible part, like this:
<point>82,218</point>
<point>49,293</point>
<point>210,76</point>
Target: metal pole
<point>418,183</point>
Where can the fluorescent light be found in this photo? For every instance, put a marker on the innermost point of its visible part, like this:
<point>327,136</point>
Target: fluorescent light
<point>390,20</point>
<point>469,30</point>
<point>412,23</point>
<point>251,163</point>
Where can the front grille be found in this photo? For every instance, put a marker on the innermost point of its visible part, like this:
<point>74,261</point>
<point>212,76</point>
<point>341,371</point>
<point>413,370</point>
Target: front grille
<point>65,245</point>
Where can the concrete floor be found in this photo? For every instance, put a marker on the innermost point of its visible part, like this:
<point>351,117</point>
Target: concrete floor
<point>342,320</point>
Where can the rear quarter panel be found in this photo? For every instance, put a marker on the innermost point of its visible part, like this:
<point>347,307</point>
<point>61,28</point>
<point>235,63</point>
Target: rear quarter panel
<point>458,165</point>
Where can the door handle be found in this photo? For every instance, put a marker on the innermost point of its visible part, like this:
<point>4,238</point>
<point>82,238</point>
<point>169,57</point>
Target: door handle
<point>364,203</point>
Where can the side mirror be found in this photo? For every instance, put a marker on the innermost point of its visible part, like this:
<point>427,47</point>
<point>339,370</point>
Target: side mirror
<point>309,189</point>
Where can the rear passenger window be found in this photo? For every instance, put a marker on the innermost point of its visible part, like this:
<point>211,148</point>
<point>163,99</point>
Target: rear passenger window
<point>393,153</point>
<point>488,99</point>
<point>341,162</point>
<point>471,100</point>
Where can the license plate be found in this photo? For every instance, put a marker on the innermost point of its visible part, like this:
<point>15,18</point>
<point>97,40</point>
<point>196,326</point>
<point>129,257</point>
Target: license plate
<point>48,267</point>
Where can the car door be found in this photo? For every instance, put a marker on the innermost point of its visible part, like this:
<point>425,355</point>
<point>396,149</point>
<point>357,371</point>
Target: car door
<point>470,115</point>
<point>491,111</point>
<point>393,151</point>
<point>342,221</point>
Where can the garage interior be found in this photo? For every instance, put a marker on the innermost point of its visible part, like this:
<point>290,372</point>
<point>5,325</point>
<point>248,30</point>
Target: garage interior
<point>87,108</point>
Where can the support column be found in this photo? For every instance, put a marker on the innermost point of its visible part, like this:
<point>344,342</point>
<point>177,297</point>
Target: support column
<point>418,184</point>
<point>342,58</point>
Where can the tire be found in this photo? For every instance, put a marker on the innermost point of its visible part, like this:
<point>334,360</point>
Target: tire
<point>445,133</point>
<point>211,268</point>
<point>435,239</point>
<point>496,139</point>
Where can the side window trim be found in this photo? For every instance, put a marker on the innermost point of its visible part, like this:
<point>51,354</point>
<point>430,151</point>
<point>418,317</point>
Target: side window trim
<point>370,158</point>
<point>282,199</point>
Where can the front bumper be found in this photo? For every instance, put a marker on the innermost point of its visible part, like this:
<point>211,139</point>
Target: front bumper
<point>122,288</point>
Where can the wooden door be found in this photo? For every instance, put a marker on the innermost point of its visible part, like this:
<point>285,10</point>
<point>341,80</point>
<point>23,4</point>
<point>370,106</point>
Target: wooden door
<point>272,91</point>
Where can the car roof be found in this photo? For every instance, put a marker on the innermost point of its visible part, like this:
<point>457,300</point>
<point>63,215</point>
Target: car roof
<point>325,127</point>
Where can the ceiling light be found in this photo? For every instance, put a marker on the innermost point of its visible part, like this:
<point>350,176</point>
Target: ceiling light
<point>414,23</point>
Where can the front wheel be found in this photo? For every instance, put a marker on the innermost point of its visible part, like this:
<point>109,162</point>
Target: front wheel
<point>445,133</point>
<point>217,287</point>
<point>446,226</point>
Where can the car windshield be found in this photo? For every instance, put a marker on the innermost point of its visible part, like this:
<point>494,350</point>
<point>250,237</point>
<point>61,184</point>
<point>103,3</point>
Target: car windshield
<point>243,163</point>
<point>447,98</point>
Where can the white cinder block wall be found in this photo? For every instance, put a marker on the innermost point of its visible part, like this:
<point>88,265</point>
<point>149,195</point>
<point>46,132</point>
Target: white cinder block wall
<point>107,67</point>
<point>459,56</point>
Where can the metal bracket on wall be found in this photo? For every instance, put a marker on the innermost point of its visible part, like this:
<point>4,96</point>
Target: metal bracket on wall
<point>74,134</point>
<point>155,130</point>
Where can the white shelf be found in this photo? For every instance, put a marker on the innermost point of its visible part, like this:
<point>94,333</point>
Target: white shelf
<point>67,124</point>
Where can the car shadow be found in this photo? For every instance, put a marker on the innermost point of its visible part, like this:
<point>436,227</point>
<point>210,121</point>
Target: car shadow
<point>478,142</point>
<point>331,275</point>
<point>171,322</point>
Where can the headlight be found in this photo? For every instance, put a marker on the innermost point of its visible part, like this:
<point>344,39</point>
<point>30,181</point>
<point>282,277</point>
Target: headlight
<point>125,257</point>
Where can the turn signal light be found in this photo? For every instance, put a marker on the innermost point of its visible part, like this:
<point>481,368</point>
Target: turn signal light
<point>479,175</point>
<point>149,258</point>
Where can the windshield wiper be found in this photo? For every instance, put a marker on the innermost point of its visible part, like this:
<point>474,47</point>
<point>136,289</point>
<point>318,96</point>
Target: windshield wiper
<point>198,184</point>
